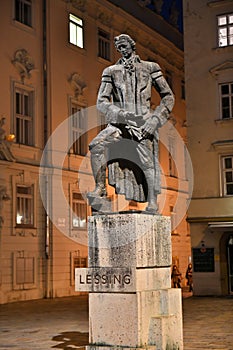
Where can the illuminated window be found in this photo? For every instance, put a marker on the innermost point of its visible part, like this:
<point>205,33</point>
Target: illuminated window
<point>226,100</point>
<point>24,205</point>
<point>78,126</point>
<point>24,116</point>
<point>79,206</point>
<point>76,30</point>
<point>23,12</point>
<point>227,169</point>
<point>103,44</point>
<point>225,30</point>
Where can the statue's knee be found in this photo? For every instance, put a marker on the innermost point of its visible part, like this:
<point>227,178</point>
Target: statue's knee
<point>96,147</point>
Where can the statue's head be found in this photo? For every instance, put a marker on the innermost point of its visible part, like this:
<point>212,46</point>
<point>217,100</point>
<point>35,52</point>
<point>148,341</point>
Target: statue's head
<point>124,39</point>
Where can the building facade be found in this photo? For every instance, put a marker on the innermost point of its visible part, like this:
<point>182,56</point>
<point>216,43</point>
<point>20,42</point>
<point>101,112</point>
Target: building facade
<point>208,41</point>
<point>52,56</point>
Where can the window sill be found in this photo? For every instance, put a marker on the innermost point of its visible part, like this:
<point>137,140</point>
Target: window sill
<point>24,230</point>
<point>223,49</point>
<point>103,60</point>
<point>75,229</point>
<point>26,154</point>
<point>224,121</point>
<point>81,50</point>
<point>217,3</point>
<point>23,26</point>
<point>25,226</point>
<point>74,155</point>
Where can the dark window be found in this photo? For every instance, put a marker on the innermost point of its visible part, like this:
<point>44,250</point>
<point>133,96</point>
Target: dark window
<point>24,116</point>
<point>182,90</point>
<point>23,12</point>
<point>103,44</point>
<point>168,76</point>
<point>227,168</point>
<point>226,100</point>
<point>79,137</point>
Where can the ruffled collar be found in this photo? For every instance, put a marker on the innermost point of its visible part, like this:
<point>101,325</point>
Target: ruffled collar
<point>129,64</point>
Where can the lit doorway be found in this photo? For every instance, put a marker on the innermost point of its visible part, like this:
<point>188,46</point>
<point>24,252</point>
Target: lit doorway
<point>230,263</point>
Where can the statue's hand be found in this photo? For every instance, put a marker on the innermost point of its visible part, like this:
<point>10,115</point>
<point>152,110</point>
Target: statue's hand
<point>125,116</point>
<point>149,127</point>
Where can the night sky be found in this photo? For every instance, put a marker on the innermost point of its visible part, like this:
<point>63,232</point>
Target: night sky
<point>167,10</point>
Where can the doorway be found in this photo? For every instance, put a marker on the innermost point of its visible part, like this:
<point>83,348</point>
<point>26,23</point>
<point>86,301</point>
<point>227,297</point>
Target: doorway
<point>230,263</point>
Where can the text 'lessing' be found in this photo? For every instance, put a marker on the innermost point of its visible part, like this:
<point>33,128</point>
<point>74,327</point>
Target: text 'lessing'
<point>108,279</point>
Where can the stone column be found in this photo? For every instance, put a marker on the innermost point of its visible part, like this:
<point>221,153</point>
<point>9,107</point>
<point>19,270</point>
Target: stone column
<point>131,302</point>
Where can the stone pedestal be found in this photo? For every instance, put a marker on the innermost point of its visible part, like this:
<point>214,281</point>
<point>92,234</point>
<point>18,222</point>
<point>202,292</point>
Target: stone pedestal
<point>131,302</point>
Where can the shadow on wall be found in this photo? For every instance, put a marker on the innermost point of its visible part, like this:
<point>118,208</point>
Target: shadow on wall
<point>74,340</point>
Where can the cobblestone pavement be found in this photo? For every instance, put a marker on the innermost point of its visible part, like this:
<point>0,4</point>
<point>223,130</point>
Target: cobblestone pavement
<point>63,324</point>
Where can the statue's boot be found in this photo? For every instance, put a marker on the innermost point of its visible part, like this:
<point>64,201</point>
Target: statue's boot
<point>152,206</point>
<point>98,164</point>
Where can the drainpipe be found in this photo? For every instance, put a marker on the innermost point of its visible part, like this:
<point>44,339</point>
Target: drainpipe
<point>48,226</point>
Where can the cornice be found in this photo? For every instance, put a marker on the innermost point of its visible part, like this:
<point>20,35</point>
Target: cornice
<point>225,144</point>
<point>80,5</point>
<point>218,3</point>
<point>78,85</point>
<point>209,219</point>
<point>228,65</point>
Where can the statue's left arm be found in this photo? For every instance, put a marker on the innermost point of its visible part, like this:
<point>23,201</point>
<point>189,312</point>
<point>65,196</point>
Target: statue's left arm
<point>160,115</point>
<point>163,110</point>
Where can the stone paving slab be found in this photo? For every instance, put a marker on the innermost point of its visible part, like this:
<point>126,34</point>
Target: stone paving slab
<point>60,323</point>
<point>63,324</point>
<point>208,323</point>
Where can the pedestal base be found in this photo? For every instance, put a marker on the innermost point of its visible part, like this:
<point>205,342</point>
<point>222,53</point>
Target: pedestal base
<point>151,318</point>
<point>131,302</point>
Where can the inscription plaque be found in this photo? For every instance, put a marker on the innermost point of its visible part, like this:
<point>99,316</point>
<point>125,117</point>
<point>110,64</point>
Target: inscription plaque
<point>105,279</point>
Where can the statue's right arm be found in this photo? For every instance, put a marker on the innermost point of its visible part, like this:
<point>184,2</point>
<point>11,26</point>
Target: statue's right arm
<point>104,99</point>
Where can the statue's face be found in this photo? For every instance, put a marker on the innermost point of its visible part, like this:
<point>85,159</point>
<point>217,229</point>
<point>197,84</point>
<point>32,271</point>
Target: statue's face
<point>125,48</point>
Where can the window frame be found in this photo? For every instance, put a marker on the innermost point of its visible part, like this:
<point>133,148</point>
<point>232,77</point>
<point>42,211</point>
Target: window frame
<point>224,170</point>
<point>80,26</point>
<point>21,118</point>
<point>226,26</point>
<point>172,169</point>
<point>79,146</point>
<point>21,15</point>
<point>24,284</point>
<point>229,95</point>
<point>82,262</point>
<point>75,204</point>
<point>106,42</point>
<point>25,202</point>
